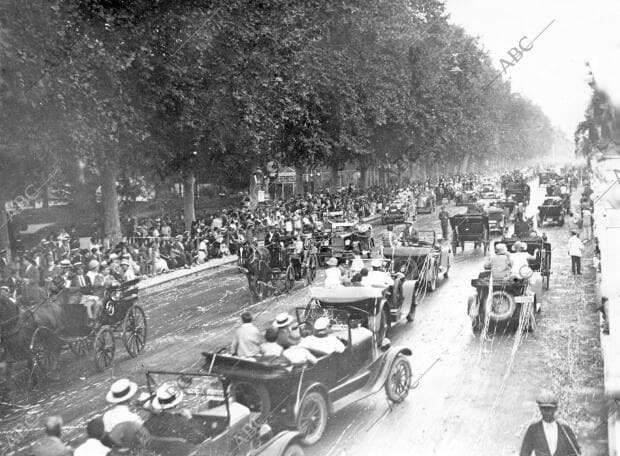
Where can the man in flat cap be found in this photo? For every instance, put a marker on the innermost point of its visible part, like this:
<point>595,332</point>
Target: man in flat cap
<point>548,436</point>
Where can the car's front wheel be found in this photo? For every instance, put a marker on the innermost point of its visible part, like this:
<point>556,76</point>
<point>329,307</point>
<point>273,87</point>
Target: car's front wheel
<point>312,417</point>
<point>398,381</point>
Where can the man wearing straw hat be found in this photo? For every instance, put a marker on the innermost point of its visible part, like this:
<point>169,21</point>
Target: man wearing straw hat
<point>500,264</point>
<point>548,436</point>
<point>119,395</point>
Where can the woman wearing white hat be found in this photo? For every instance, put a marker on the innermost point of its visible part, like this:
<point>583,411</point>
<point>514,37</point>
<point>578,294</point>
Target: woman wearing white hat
<point>519,258</point>
<point>500,264</point>
<point>120,394</point>
<point>333,274</point>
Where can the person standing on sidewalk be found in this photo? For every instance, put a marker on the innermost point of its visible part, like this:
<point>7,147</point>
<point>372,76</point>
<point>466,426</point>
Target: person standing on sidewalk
<point>548,436</point>
<point>586,218</point>
<point>575,248</point>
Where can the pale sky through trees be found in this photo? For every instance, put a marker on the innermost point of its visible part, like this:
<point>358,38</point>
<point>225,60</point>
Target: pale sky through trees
<point>553,73</point>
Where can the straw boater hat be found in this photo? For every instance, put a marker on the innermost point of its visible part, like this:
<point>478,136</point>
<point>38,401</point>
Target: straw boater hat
<point>519,247</point>
<point>376,263</point>
<point>65,264</point>
<point>283,320</point>
<point>321,325</point>
<point>167,396</point>
<point>332,262</point>
<point>501,248</point>
<point>547,399</point>
<point>121,390</point>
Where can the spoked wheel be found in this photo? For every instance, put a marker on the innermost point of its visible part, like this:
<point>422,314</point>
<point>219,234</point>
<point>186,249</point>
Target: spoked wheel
<point>289,278</point>
<point>104,348</point>
<point>81,347</point>
<point>399,380</point>
<point>44,353</point>
<point>546,278</point>
<point>134,330</point>
<point>311,268</point>
<point>431,285</point>
<point>312,417</point>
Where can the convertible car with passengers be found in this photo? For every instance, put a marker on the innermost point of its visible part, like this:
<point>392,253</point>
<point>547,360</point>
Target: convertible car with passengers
<point>302,396</point>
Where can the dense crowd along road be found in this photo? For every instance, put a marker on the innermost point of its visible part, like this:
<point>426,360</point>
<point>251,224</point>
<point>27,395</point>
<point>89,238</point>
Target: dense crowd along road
<point>460,382</point>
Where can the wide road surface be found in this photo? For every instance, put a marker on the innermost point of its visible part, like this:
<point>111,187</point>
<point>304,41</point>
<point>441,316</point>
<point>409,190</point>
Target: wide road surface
<point>474,396</point>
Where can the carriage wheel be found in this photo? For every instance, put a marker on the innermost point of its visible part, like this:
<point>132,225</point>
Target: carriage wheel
<point>289,278</point>
<point>104,348</point>
<point>44,352</point>
<point>546,278</point>
<point>134,330</point>
<point>81,347</point>
<point>311,269</point>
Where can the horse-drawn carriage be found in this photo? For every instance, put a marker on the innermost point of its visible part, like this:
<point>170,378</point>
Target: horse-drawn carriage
<point>497,219</point>
<point>342,239</point>
<point>38,334</point>
<point>465,197</point>
<point>470,228</point>
<point>277,266</point>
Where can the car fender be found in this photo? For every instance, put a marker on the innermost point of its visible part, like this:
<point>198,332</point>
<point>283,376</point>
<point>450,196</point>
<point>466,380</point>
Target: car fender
<point>276,445</point>
<point>384,368</point>
<point>305,389</point>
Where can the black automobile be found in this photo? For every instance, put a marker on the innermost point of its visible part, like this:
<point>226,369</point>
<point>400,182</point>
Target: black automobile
<point>552,210</point>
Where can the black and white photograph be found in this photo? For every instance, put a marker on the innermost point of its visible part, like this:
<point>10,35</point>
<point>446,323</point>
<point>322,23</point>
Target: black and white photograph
<point>309,227</point>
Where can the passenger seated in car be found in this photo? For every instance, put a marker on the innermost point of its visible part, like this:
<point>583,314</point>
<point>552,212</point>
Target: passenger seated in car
<point>299,355</point>
<point>287,336</point>
<point>377,277</point>
<point>321,341</point>
<point>519,258</point>
<point>500,263</point>
<point>271,348</point>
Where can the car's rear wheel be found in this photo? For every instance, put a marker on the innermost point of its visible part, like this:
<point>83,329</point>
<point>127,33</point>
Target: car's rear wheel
<point>312,417</point>
<point>398,381</point>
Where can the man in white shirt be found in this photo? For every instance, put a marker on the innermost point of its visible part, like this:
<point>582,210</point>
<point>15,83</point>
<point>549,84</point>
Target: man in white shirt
<point>128,273</point>
<point>575,248</point>
<point>321,341</point>
<point>377,277</point>
<point>246,341</point>
<point>548,437</point>
<point>93,445</point>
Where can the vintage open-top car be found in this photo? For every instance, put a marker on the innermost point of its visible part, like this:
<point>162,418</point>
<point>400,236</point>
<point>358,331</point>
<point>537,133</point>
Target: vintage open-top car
<point>464,197</point>
<point>470,228</point>
<point>192,413</point>
<point>552,210</point>
<point>489,192</point>
<point>514,298</point>
<point>518,191</point>
<point>336,240</point>
<point>425,203</point>
<point>497,219</point>
<point>301,397</point>
<point>424,261</point>
<point>394,213</point>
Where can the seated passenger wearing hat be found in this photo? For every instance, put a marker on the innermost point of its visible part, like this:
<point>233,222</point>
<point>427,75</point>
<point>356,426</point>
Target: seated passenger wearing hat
<point>128,272</point>
<point>519,258</point>
<point>500,263</point>
<point>119,395</point>
<point>287,335</point>
<point>377,277</point>
<point>333,274</point>
<point>322,342</point>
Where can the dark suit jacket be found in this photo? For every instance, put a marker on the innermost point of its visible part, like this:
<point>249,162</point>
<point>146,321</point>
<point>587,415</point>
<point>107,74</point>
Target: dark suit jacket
<point>535,441</point>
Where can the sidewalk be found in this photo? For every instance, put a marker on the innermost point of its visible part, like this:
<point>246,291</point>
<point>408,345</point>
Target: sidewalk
<point>178,276</point>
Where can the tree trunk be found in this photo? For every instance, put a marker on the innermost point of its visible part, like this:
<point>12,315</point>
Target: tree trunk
<point>189,184</point>
<point>4,230</point>
<point>363,176</point>
<point>335,181</point>
<point>465,163</point>
<point>109,195</point>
